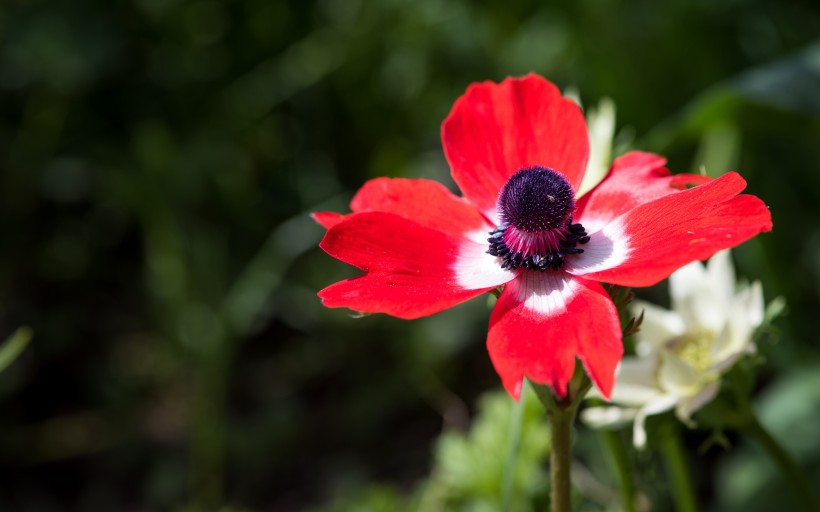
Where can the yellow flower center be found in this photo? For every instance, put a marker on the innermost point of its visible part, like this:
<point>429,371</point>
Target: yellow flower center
<point>695,347</point>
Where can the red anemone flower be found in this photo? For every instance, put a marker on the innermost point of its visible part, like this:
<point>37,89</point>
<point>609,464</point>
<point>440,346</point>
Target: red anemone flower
<point>518,151</point>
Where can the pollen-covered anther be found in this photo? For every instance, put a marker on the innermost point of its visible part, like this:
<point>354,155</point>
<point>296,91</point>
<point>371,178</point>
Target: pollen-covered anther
<point>536,231</point>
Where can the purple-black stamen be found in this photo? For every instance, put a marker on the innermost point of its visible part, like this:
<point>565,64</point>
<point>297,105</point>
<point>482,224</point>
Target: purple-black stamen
<point>536,231</point>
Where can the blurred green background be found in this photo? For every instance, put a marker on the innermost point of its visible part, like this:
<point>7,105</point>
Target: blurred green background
<point>158,161</point>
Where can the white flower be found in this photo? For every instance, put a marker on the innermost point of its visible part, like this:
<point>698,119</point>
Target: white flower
<point>682,353</point>
<point>601,126</point>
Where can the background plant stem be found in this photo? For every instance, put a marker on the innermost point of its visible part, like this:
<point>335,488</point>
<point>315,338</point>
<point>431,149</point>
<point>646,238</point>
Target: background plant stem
<point>788,467</point>
<point>619,459</point>
<point>678,470</point>
<point>516,420</point>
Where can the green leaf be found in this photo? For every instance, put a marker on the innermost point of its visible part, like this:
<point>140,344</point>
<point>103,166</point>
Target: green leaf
<point>789,83</point>
<point>14,346</point>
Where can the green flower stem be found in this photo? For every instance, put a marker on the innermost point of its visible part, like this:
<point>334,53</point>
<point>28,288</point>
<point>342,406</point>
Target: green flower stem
<point>513,445</point>
<point>561,413</point>
<point>791,472</point>
<point>561,458</point>
<point>620,460</point>
<point>678,469</point>
<point>208,431</point>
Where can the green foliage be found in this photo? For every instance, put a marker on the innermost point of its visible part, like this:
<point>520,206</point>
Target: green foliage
<point>749,481</point>
<point>374,498</point>
<point>469,468</point>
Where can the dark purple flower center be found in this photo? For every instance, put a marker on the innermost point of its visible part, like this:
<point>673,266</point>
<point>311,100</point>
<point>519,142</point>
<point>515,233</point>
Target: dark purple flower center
<point>535,207</point>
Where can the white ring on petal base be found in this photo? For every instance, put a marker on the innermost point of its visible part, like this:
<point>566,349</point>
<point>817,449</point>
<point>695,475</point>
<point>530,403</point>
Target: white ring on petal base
<point>591,224</point>
<point>606,249</point>
<point>475,269</point>
<point>546,293</point>
<point>479,236</point>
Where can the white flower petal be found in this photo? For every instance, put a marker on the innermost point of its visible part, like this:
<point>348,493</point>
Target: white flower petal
<point>755,307</point>
<point>635,381</point>
<point>610,416</point>
<point>601,127</point>
<point>686,282</point>
<point>659,326</point>
<point>660,404</point>
<point>730,346</point>
<point>694,297</point>
<point>688,406</point>
<point>745,315</point>
<point>721,276</point>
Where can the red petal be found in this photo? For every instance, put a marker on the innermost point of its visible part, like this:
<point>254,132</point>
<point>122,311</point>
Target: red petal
<point>410,270</point>
<point>496,129</point>
<point>542,321</point>
<point>648,243</point>
<point>634,179</point>
<point>327,219</point>
<point>427,202</point>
